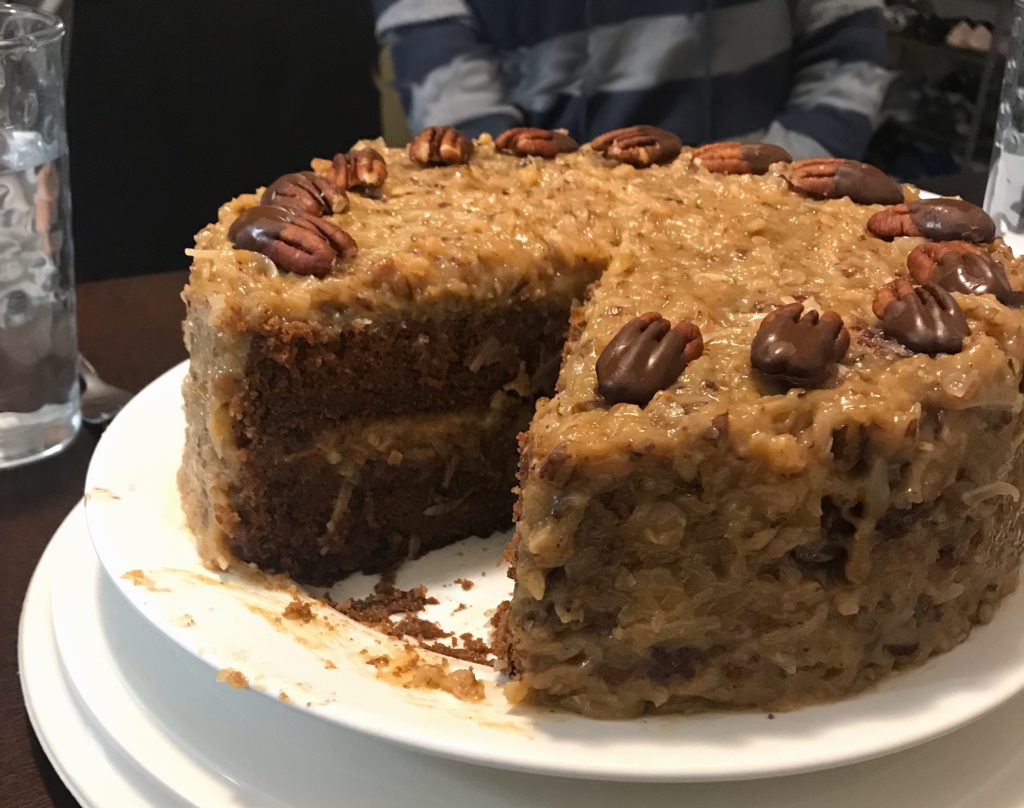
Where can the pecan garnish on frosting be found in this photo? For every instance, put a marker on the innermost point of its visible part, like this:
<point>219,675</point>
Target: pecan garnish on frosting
<point>834,178</point>
<point>640,146</point>
<point>961,267</point>
<point>943,219</point>
<point>361,169</point>
<point>733,157</point>
<point>306,191</point>
<point>530,142</point>
<point>647,355</point>
<point>925,319</point>
<point>294,240</point>
<point>440,146</point>
<point>800,351</point>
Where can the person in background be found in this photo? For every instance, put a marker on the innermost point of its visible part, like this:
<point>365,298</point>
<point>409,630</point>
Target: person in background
<point>808,75</point>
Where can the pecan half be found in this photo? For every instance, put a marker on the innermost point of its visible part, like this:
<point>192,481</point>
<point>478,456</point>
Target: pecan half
<point>294,240</point>
<point>926,319</point>
<point>640,146</point>
<point>361,169</point>
<point>961,267</point>
<point>733,157</point>
<point>647,355</point>
<point>304,190</point>
<point>529,142</point>
<point>936,219</point>
<point>887,294</point>
<point>800,351</point>
<point>440,146</point>
<point>834,178</point>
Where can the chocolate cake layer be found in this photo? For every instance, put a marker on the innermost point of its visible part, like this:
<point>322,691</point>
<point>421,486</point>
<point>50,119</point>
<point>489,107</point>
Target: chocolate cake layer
<point>374,493</point>
<point>320,514</point>
<point>306,378</point>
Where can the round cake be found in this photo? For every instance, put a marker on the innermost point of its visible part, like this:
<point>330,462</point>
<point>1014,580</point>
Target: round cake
<point>781,457</point>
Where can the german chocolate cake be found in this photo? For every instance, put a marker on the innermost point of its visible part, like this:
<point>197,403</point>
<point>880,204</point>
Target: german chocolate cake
<point>782,458</point>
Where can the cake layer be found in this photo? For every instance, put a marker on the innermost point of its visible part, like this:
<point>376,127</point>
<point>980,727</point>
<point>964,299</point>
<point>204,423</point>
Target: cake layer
<point>309,378</point>
<point>368,494</point>
<point>737,544</point>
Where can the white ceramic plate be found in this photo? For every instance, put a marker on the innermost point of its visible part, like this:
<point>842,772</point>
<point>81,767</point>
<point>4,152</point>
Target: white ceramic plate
<point>233,621</point>
<point>141,722</point>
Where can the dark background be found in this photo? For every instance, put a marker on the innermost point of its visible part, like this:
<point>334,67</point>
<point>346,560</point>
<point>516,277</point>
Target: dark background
<point>174,108</point>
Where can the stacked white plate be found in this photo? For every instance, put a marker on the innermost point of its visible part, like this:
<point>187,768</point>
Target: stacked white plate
<point>124,633</point>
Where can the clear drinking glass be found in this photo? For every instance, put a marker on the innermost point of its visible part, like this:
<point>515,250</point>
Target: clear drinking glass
<point>1004,196</point>
<point>38,354</point>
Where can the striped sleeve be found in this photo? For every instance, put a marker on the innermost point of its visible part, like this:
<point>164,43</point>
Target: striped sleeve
<point>840,80</point>
<point>445,72</point>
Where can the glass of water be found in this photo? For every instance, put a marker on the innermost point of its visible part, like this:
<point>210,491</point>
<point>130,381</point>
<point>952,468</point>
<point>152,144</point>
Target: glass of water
<point>1004,196</point>
<point>38,354</point>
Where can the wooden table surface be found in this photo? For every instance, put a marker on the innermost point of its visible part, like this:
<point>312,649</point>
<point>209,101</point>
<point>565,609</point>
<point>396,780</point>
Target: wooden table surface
<point>131,331</point>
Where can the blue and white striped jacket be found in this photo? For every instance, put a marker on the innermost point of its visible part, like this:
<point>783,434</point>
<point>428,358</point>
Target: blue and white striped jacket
<point>808,75</point>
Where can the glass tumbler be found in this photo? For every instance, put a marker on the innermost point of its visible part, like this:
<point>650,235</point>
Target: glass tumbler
<point>1004,196</point>
<point>38,354</point>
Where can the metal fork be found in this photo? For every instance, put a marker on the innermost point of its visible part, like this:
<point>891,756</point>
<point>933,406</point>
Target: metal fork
<point>100,401</point>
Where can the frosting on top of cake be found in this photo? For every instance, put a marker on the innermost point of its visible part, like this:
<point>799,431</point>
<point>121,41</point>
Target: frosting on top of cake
<point>721,251</point>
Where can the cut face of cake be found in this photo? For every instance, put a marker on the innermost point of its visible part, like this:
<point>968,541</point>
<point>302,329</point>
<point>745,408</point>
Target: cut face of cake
<point>781,459</point>
<point>354,399</point>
